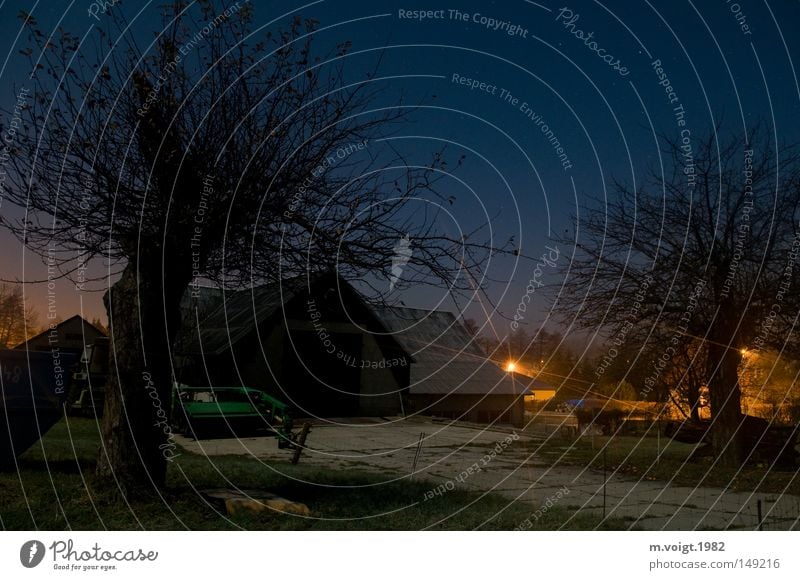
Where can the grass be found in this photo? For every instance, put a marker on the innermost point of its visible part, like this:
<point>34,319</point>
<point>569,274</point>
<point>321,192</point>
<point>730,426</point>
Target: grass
<point>55,489</point>
<point>664,460</point>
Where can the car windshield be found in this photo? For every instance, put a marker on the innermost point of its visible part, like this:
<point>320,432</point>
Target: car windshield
<point>222,396</point>
<point>232,397</point>
<point>200,397</point>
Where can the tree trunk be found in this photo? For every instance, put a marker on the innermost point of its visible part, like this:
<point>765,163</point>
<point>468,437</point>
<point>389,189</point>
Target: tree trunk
<point>693,396</point>
<point>727,432</point>
<point>144,316</point>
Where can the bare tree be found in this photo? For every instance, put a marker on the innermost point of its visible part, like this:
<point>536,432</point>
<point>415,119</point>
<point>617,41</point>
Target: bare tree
<point>683,381</point>
<point>218,152</point>
<point>706,251</point>
<point>97,323</point>
<point>17,321</point>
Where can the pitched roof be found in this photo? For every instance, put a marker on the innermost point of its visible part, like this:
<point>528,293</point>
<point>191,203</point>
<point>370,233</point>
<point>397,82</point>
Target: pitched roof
<point>447,358</point>
<point>84,323</point>
<point>236,317</point>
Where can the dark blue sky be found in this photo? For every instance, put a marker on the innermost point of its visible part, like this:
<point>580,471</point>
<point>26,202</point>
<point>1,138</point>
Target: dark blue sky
<point>723,60</point>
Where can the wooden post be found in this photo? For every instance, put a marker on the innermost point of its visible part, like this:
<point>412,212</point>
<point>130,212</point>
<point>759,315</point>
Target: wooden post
<point>301,442</point>
<point>760,517</point>
<point>416,455</point>
<point>658,440</point>
<point>605,479</point>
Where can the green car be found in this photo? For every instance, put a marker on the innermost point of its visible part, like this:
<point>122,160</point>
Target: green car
<point>227,411</point>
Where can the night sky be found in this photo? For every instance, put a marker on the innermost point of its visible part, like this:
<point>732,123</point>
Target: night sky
<point>500,82</point>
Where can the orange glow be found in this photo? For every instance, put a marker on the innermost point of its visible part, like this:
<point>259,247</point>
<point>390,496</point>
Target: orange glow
<point>743,351</point>
<point>511,366</point>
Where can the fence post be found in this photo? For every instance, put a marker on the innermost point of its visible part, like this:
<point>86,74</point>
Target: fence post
<point>604,483</point>
<point>416,455</point>
<point>760,517</point>
<point>658,440</point>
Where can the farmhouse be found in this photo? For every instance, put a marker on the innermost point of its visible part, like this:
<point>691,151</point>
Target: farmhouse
<point>71,336</point>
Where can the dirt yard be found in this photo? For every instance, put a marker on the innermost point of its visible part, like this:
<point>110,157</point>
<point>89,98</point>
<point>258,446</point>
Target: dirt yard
<point>501,460</point>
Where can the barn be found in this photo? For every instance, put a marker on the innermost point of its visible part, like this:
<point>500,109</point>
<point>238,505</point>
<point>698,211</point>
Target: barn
<point>313,345</point>
<point>320,347</point>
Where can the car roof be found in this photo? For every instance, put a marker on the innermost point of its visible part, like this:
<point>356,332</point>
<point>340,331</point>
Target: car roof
<point>217,389</point>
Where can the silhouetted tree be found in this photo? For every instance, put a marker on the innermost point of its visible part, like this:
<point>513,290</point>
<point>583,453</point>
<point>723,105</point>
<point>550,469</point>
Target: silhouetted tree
<point>217,152</point>
<point>97,323</point>
<point>707,250</point>
<point>17,322</point>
